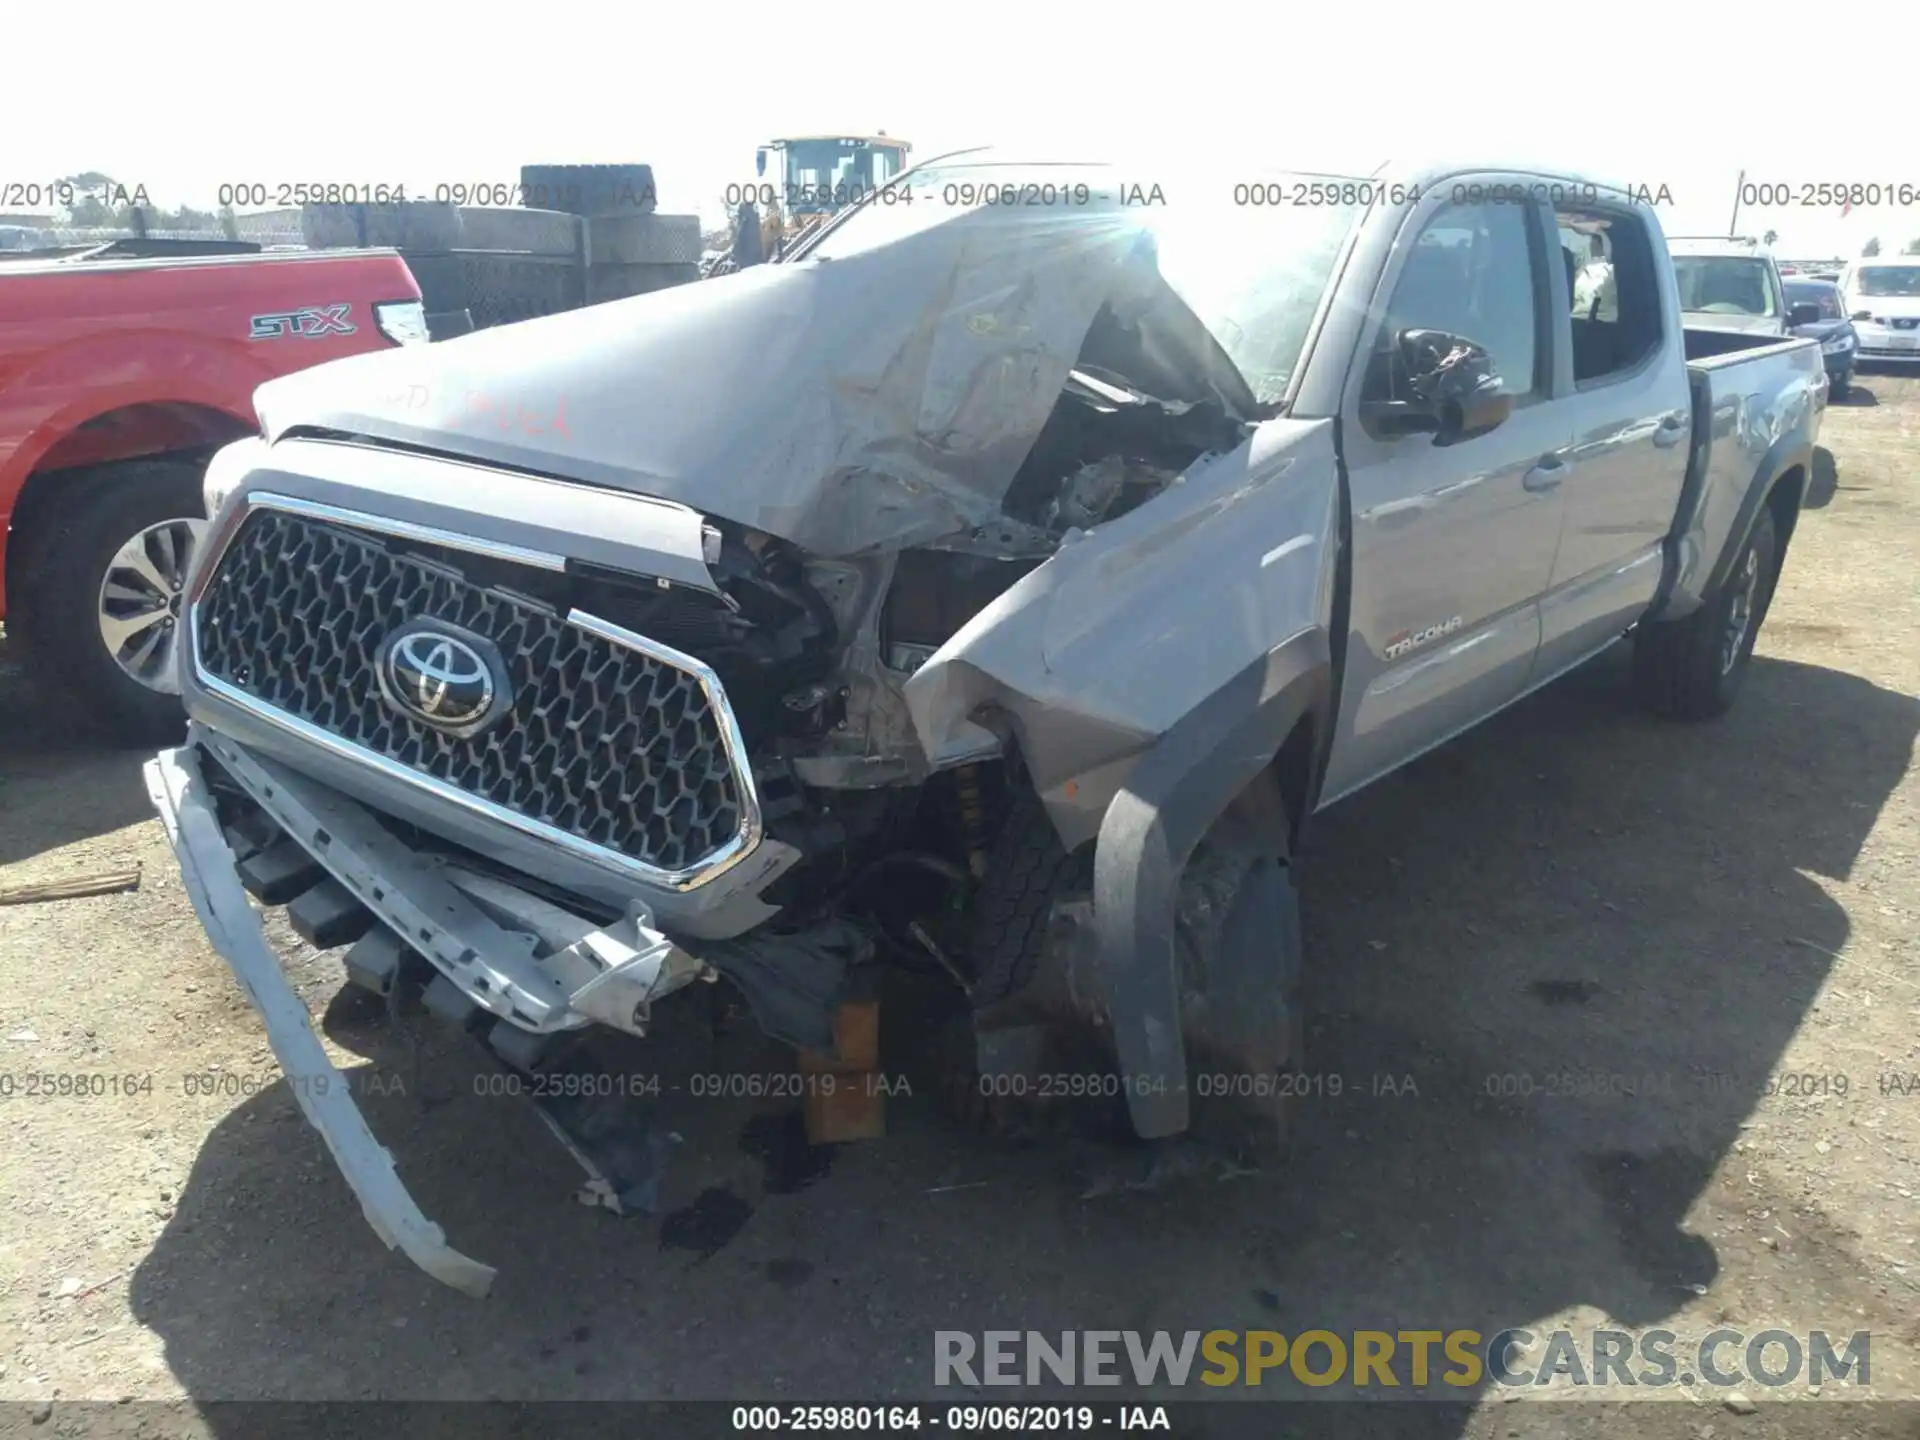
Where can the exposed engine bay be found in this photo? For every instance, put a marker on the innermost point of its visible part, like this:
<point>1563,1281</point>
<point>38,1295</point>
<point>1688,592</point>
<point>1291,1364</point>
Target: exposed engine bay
<point>815,669</point>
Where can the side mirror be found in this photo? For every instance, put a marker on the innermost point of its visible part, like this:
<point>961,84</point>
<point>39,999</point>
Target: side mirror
<point>1803,315</point>
<point>1452,390</point>
<point>760,162</point>
<point>1861,315</point>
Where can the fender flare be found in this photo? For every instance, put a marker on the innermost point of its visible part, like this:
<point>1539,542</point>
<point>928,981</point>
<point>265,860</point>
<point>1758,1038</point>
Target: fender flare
<point>53,430</point>
<point>152,366</point>
<point>1171,798</point>
<point>1783,455</point>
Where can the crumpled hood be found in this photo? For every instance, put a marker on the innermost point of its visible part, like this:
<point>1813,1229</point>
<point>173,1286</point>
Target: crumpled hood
<point>874,400</point>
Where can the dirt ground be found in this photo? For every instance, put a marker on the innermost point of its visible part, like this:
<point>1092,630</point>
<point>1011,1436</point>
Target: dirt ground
<point>1572,888</point>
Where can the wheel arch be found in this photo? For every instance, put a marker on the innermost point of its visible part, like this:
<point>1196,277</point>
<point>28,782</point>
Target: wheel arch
<point>79,447</point>
<point>1266,726</point>
<point>1779,485</point>
<point>1784,499</point>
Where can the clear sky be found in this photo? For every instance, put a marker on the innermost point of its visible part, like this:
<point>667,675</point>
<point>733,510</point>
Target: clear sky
<point>185,97</point>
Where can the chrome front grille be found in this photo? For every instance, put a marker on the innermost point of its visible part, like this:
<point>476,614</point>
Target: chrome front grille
<point>608,741</point>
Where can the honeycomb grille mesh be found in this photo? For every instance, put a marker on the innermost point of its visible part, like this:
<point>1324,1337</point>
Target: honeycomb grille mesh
<point>615,747</point>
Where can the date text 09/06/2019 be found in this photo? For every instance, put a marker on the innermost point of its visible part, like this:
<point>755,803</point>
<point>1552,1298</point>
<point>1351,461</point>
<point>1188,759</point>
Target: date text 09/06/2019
<point>1316,192</point>
<point>66,194</point>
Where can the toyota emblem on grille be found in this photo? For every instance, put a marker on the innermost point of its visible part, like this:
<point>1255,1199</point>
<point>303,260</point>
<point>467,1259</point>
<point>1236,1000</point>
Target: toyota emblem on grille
<point>442,676</point>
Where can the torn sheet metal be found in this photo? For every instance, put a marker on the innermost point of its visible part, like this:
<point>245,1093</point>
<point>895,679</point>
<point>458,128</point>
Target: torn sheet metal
<point>179,794</point>
<point>642,966</point>
<point>1046,652</point>
<point>494,966</point>
<point>876,399</point>
<point>483,935</point>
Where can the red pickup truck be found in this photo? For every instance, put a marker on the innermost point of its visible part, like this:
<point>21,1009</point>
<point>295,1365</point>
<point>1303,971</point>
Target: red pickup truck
<point>118,380</point>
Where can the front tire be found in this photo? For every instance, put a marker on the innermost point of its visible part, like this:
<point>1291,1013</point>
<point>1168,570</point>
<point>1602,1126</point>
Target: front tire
<point>102,591</point>
<point>1692,669</point>
<point>1238,952</point>
<point>1028,872</point>
<point>1840,387</point>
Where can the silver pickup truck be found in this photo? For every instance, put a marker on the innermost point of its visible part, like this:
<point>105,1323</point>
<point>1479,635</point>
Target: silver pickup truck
<point>1003,581</point>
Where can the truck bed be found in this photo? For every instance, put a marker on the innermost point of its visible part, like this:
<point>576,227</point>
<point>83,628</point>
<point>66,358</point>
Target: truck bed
<point>1715,348</point>
<point>1755,401</point>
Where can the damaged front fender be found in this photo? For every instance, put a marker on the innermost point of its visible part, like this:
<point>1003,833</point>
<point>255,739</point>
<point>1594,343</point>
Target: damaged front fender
<point>1153,671</point>
<point>1169,803</point>
<point>1131,626</point>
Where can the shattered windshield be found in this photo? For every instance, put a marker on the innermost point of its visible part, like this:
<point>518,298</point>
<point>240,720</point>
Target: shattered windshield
<point>1252,274</point>
<point>1890,280</point>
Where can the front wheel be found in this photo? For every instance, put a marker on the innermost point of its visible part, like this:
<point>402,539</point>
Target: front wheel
<point>1237,958</point>
<point>1840,386</point>
<point>1692,669</point>
<point>103,591</point>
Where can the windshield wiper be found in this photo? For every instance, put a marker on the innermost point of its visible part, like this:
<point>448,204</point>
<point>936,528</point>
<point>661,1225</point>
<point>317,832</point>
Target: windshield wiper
<point>1112,391</point>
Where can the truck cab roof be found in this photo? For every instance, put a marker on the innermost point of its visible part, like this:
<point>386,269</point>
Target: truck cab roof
<point>1732,247</point>
<point>120,261</point>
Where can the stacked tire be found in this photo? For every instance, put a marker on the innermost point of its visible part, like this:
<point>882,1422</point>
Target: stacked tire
<point>403,225</point>
<point>589,190</point>
<point>627,248</point>
<point>633,254</point>
<point>582,234</point>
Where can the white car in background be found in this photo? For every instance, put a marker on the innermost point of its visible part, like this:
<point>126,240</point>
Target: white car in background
<point>1728,284</point>
<point>1883,300</point>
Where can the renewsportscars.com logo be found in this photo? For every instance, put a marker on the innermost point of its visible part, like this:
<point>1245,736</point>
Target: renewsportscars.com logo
<point>1391,1359</point>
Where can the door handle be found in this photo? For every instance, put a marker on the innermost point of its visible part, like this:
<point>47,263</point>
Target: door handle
<point>1546,476</point>
<point>1670,431</point>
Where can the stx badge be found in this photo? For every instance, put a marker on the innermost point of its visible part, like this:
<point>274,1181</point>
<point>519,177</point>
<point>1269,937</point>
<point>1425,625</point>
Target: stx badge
<point>309,324</point>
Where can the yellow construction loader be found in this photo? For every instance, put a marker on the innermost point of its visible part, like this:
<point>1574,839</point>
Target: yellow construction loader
<point>806,178</point>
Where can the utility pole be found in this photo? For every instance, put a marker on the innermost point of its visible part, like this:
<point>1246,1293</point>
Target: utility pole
<point>1733,225</point>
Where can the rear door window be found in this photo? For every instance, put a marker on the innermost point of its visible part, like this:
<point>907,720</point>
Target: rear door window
<point>1613,290</point>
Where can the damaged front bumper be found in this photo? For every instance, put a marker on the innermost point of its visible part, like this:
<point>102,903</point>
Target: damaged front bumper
<point>495,950</point>
<point>179,793</point>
